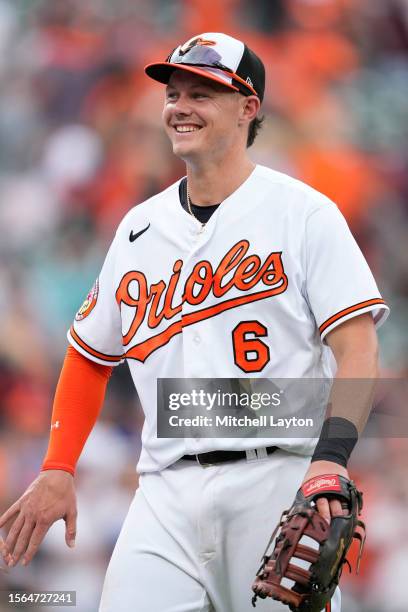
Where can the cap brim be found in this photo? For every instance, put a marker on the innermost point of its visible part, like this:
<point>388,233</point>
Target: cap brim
<point>162,72</point>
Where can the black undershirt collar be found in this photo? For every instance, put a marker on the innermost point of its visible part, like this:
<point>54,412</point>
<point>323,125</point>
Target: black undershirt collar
<point>202,213</point>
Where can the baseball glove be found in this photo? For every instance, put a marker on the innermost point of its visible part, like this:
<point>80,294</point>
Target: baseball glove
<point>311,589</point>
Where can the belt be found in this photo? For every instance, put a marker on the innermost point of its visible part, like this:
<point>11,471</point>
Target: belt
<point>221,456</point>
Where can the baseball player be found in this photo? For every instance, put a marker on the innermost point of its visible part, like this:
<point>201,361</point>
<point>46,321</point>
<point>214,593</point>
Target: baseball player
<point>235,271</point>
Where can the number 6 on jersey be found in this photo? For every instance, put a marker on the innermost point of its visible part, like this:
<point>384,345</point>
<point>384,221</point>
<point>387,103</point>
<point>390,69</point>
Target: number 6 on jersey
<point>250,353</point>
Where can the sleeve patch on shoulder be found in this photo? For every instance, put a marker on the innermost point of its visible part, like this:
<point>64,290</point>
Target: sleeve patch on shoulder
<point>89,303</point>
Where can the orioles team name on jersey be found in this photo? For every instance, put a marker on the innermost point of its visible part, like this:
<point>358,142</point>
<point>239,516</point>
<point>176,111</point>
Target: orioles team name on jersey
<point>156,302</point>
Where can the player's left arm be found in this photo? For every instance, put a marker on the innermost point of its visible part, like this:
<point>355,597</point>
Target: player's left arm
<point>355,348</point>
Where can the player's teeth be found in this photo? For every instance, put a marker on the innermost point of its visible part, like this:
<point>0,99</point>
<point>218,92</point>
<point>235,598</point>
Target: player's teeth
<point>186,128</point>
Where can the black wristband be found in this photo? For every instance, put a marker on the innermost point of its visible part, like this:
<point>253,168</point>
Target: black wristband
<point>337,441</point>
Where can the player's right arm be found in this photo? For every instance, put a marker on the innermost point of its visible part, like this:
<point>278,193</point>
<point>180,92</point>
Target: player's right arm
<point>96,346</point>
<point>78,399</point>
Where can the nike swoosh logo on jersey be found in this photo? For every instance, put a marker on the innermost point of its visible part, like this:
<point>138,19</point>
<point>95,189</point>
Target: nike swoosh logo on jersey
<point>132,236</point>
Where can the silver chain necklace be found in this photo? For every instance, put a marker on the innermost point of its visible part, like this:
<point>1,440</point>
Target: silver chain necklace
<point>190,210</point>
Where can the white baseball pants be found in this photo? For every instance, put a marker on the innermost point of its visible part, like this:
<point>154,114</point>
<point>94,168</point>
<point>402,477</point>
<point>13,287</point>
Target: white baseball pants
<point>194,536</point>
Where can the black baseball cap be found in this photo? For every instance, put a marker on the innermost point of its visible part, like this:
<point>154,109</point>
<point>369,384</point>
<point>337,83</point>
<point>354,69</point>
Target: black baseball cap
<point>218,57</point>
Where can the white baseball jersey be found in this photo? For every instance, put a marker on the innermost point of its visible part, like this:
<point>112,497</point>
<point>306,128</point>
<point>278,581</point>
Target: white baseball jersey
<point>253,294</point>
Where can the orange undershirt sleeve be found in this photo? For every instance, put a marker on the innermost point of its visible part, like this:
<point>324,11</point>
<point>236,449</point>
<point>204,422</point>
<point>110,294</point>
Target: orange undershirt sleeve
<point>78,401</point>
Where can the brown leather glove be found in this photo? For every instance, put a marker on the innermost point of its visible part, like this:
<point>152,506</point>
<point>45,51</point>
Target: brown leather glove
<point>312,588</point>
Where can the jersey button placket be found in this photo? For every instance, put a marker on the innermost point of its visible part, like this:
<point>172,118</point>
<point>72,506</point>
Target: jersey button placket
<point>193,347</point>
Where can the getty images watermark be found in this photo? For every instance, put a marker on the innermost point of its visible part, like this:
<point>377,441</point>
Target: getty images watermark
<point>273,408</point>
<point>221,400</point>
<point>208,408</point>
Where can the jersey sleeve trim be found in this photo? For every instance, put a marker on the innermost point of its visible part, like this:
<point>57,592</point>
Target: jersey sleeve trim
<point>90,352</point>
<point>352,311</point>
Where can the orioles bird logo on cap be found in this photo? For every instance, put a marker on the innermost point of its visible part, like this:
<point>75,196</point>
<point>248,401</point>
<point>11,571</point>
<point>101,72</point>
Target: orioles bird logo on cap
<point>193,42</point>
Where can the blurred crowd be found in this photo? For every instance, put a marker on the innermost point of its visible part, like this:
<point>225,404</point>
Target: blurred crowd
<point>81,142</point>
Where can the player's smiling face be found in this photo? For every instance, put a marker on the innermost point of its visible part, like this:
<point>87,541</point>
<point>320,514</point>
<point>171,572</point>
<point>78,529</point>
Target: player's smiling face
<point>201,117</point>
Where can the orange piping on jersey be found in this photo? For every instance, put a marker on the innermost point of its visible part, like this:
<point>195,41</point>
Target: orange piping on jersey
<point>349,310</point>
<point>92,351</point>
<point>141,351</point>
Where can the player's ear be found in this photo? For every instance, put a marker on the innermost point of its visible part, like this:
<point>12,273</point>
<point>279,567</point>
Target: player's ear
<point>250,106</point>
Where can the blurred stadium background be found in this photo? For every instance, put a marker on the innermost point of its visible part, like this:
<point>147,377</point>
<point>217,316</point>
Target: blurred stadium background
<point>81,142</point>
